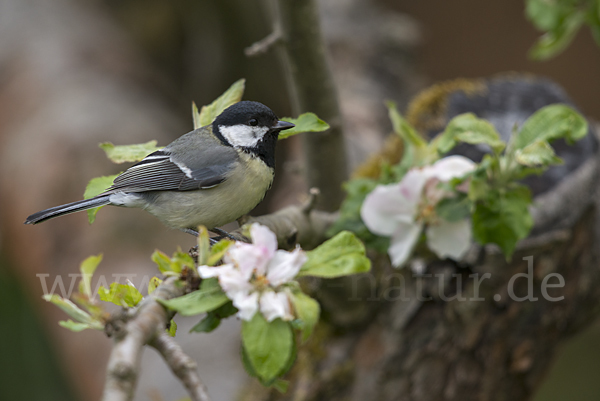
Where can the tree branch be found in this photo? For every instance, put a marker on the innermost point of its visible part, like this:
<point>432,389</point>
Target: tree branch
<point>312,88</point>
<point>184,367</point>
<point>296,224</point>
<point>131,331</point>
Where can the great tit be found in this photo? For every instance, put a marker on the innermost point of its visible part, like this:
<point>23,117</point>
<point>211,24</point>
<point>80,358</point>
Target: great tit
<point>210,176</point>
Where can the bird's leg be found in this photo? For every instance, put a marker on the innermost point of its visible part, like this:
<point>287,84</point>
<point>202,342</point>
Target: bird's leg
<point>195,234</point>
<point>222,234</point>
<point>190,231</point>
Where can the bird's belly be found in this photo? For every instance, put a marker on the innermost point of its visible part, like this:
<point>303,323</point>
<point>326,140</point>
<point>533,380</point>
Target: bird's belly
<point>211,207</point>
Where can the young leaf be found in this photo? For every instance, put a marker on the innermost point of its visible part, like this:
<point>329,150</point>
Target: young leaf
<point>172,266</point>
<point>87,269</point>
<point>341,255</point>
<point>557,39</point>
<point>74,326</point>
<point>95,187</point>
<point>503,218</point>
<point>307,310</point>
<point>200,301</point>
<point>403,128</point>
<point>208,113</point>
<point>268,346</point>
<point>203,245</point>
<point>129,153</point>
<point>172,330</point>
<point>180,260</point>
<point>206,325</point>
<point>538,153</point>
<point>550,123</point>
<point>213,318</point>
<point>163,261</point>
<point>349,218</point>
<point>546,15</point>
<point>73,310</point>
<point>454,209</point>
<point>154,282</point>
<point>307,122</point>
<point>469,129</point>
<point>218,251</point>
<point>120,294</point>
<point>281,385</point>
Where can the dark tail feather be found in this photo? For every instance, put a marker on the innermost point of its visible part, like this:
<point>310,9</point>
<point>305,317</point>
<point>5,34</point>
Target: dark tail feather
<point>67,209</point>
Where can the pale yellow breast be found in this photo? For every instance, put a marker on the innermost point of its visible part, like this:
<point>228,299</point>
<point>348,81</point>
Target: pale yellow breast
<point>214,207</point>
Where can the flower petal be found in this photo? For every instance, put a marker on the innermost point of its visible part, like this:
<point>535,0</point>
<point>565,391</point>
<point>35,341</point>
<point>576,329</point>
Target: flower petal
<point>262,236</point>
<point>274,305</point>
<point>411,185</point>
<point>403,242</point>
<point>285,266</point>
<point>232,280</point>
<point>452,167</point>
<point>386,206</point>
<point>247,305</point>
<point>449,239</point>
<point>247,258</point>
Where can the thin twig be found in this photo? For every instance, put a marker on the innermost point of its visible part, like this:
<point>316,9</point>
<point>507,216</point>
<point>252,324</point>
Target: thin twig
<point>184,367</point>
<point>263,45</point>
<point>313,194</point>
<point>131,336</point>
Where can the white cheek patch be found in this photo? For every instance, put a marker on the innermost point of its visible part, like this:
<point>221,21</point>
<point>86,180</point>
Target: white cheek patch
<point>243,135</point>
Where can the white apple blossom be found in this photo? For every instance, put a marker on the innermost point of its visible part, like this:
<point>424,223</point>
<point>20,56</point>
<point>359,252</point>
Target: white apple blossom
<point>254,276</point>
<point>402,210</point>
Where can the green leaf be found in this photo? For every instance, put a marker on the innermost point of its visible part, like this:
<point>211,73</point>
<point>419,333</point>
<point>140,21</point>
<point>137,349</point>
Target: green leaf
<point>538,153</point>
<point>213,318</point>
<point>163,261</point>
<point>95,187</point>
<point>87,269</point>
<point>73,310</point>
<point>341,255</point>
<point>547,14</point>
<point>403,128</point>
<point>281,385</point>
<point>120,294</point>
<point>74,326</point>
<point>218,251</point>
<point>349,218</point>
<point>503,218</point>
<point>172,266</point>
<point>556,40</point>
<point>454,209</point>
<point>200,301</point>
<point>208,113</point>
<point>469,129</point>
<point>307,122</point>
<point>129,153</point>
<point>203,245</point>
<point>308,311</point>
<point>154,282</point>
<point>550,123</point>
<point>206,325</point>
<point>180,260</point>
<point>172,330</point>
<point>268,346</point>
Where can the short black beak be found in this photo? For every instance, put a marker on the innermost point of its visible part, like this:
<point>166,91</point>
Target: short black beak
<point>281,125</point>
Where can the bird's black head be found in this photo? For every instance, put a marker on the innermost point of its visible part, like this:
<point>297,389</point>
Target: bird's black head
<point>250,126</point>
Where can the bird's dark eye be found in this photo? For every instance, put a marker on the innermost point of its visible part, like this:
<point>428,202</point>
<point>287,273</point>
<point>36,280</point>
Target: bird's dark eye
<point>253,122</point>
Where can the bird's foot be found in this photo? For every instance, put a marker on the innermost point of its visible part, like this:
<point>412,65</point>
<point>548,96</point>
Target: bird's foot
<point>223,234</point>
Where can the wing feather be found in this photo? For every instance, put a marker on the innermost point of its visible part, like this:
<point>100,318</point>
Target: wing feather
<point>158,172</point>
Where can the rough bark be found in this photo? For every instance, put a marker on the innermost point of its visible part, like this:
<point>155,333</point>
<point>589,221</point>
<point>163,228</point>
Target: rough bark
<point>439,336</point>
<point>311,87</point>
